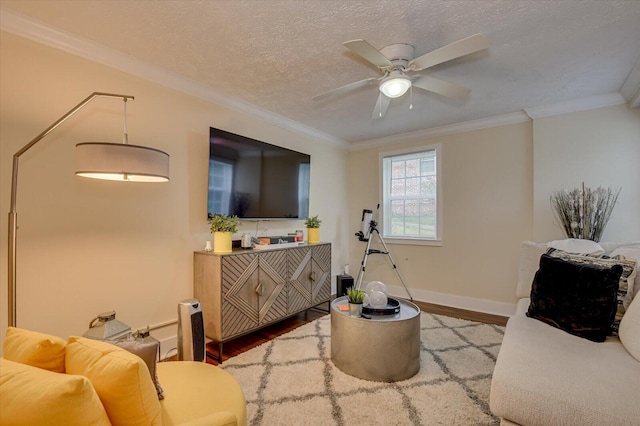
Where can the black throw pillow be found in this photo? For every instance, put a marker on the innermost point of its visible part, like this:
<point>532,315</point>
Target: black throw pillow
<point>577,298</point>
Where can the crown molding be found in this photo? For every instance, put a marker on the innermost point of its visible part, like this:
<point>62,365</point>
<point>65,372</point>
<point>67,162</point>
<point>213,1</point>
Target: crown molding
<point>631,87</point>
<point>582,104</point>
<point>22,26</point>
<point>449,129</point>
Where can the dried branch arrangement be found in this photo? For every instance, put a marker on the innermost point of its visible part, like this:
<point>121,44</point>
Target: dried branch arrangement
<point>584,212</point>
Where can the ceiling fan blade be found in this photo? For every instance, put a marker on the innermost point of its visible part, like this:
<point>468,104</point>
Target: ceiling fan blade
<point>368,52</point>
<point>441,87</point>
<point>381,107</point>
<point>454,50</point>
<point>345,88</point>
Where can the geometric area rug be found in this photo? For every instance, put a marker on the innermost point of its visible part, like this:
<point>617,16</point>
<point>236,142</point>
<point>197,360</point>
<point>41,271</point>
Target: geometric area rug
<point>291,380</point>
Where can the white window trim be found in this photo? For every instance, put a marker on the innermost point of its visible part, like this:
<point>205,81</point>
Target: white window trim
<point>438,241</point>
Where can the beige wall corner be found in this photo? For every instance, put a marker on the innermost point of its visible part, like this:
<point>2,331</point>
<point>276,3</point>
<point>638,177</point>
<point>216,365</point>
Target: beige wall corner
<point>600,147</point>
<point>487,196</point>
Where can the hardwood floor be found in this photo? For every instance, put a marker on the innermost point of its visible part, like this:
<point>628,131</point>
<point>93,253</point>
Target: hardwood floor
<point>252,340</point>
<point>249,341</point>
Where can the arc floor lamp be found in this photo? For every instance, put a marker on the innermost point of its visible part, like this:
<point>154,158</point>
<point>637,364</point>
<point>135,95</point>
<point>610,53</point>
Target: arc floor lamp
<point>99,160</point>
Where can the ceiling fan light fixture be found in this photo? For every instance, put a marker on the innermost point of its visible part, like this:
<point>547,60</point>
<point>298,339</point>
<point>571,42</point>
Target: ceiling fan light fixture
<point>395,85</point>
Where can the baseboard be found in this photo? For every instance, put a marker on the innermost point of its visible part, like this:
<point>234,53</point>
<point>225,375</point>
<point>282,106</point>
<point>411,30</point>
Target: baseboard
<point>455,301</point>
<point>168,347</point>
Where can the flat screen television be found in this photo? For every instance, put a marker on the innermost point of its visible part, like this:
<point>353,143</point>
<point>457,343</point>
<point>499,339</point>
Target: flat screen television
<point>256,180</point>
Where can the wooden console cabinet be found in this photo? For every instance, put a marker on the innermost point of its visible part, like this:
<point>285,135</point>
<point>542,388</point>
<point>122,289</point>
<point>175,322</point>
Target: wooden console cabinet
<point>249,289</point>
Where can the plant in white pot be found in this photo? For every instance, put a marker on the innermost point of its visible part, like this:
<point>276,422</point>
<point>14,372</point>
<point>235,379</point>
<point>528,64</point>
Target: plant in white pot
<point>223,227</point>
<point>355,298</point>
<point>313,229</point>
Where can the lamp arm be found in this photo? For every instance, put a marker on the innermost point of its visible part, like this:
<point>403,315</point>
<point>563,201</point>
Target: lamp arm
<point>13,216</point>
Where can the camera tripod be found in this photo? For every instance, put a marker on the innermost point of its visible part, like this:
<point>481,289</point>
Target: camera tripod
<point>373,228</point>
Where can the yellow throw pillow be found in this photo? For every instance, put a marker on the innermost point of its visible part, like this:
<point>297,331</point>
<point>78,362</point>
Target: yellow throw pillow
<point>33,396</point>
<point>121,380</point>
<point>35,349</point>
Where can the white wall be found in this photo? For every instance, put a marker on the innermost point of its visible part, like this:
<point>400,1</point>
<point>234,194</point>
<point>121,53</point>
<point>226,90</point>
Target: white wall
<point>88,246</point>
<point>487,193</point>
<point>600,147</point>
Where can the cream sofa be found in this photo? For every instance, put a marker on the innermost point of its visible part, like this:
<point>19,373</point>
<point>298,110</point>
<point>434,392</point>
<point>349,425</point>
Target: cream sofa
<point>546,376</point>
<point>46,380</point>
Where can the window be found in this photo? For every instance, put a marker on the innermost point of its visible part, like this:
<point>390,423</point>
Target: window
<point>220,185</point>
<point>411,196</point>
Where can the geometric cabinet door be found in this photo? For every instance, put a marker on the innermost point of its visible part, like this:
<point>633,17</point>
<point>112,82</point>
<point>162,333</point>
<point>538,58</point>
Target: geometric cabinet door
<point>309,276</point>
<point>244,291</point>
<point>253,288</point>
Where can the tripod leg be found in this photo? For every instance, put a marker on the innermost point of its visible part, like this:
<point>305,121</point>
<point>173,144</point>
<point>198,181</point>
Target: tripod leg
<point>363,264</point>
<point>395,268</point>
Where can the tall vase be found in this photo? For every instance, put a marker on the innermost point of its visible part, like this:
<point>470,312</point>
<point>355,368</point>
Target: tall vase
<point>222,242</point>
<point>313,235</point>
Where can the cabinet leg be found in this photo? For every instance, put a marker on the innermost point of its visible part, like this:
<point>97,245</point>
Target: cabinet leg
<point>219,357</point>
<point>317,308</point>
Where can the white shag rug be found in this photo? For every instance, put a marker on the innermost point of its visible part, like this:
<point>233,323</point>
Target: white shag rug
<point>291,381</point>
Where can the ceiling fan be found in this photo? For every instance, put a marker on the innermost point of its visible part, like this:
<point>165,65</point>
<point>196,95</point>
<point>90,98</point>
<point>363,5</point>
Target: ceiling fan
<point>397,63</point>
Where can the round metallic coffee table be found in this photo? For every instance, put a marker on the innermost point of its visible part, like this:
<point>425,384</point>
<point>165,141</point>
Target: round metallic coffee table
<point>384,348</point>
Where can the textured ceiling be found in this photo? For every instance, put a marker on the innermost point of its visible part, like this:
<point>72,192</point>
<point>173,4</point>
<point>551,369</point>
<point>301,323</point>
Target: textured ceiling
<point>278,54</point>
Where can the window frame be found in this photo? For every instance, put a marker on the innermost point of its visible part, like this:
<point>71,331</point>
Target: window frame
<point>438,240</point>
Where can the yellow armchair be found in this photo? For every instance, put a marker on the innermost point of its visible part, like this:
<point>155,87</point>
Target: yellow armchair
<point>47,381</point>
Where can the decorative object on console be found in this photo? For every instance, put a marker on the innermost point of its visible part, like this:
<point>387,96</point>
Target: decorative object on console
<point>575,297</point>
<point>313,229</point>
<point>584,212</point>
<point>108,161</point>
<point>223,227</point>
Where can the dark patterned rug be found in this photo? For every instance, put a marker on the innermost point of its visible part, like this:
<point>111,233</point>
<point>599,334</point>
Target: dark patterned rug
<point>292,381</point>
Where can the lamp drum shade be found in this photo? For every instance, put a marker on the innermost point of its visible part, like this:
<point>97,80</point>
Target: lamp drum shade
<point>114,161</point>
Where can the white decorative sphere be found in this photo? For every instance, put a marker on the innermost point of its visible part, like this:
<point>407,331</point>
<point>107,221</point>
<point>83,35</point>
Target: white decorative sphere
<point>375,286</point>
<point>377,299</point>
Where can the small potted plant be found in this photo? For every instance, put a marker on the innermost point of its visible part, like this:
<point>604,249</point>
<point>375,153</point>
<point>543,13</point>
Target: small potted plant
<point>355,297</point>
<point>313,229</point>
<point>223,227</point>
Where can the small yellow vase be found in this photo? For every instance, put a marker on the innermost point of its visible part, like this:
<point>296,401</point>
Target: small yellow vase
<point>222,242</point>
<point>313,235</point>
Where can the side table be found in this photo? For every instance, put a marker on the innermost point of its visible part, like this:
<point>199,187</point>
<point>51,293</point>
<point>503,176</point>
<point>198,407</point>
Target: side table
<point>384,348</point>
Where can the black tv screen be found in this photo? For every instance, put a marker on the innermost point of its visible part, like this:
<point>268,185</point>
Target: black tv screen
<point>256,180</point>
